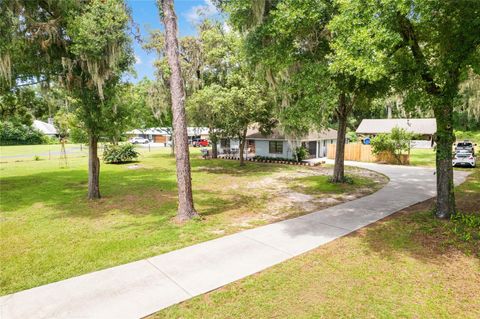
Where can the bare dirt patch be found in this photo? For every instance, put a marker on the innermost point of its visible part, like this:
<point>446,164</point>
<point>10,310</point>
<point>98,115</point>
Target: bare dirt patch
<point>283,202</point>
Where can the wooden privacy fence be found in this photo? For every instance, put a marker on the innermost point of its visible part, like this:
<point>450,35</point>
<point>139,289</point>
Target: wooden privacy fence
<point>363,153</point>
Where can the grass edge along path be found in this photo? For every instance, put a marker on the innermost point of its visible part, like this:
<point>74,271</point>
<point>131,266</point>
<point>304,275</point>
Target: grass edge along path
<point>406,265</point>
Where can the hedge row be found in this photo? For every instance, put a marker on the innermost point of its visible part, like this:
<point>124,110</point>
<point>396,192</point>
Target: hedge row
<point>272,160</point>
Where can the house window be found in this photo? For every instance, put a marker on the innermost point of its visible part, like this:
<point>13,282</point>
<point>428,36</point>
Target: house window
<point>275,147</point>
<point>224,143</point>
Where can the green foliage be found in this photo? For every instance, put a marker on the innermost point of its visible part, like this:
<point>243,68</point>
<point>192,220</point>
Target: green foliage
<point>395,143</point>
<point>77,135</point>
<point>382,143</point>
<point>301,153</point>
<point>352,137</point>
<point>466,226</point>
<point>472,136</point>
<point>23,106</point>
<point>117,154</point>
<point>289,41</point>
<point>20,134</point>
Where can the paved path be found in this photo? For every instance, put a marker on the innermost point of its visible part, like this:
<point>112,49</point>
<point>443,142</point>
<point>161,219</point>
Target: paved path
<point>140,288</point>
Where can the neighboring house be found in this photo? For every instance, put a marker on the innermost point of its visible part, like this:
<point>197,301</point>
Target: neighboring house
<point>154,134</point>
<point>197,132</point>
<point>279,145</point>
<point>46,128</point>
<point>424,129</point>
<point>164,134</point>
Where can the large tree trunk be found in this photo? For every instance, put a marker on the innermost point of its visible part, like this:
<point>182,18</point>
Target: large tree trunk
<point>214,141</point>
<point>243,140</point>
<point>93,168</point>
<point>342,114</point>
<point>186,209</point>
<point>444,138</point>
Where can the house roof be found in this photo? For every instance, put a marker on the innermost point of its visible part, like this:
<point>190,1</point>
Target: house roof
<point>45,128</point>
<point>168,130</point>
<point>255,134</point>
<point>417,126</point>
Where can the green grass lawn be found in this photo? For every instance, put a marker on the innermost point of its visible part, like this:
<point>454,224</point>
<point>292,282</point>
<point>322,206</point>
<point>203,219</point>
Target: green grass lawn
<point>409,265</point>
<point>27,152</point>
<point>422,157</point>
<point>49,231</point>
<point>320,185</point>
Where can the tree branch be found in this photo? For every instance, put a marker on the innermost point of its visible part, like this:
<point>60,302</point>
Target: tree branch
<point>409,36</point>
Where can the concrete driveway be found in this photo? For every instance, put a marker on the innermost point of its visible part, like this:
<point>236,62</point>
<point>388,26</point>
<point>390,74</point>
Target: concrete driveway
<point>140,288</point>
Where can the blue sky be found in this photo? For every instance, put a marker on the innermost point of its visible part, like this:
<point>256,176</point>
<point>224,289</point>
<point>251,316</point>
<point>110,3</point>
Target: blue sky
<point>145,16</point>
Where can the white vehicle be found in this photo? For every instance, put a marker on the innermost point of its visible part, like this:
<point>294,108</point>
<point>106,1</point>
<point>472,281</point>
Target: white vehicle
<point>139,140</point>
<point>464,159</point>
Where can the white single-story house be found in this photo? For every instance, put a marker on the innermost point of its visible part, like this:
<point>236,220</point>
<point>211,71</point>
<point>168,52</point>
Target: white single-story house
<point>424,129</point>
<point>164,134</point>
<point>46,128</point>
<point>278,145</point>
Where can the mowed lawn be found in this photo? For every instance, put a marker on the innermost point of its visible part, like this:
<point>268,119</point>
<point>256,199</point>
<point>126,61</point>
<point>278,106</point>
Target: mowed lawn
<point>409,265</point>
<point>49,231</point>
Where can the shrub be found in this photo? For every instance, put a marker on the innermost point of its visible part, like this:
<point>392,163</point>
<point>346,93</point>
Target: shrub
<point>301,153</point>
<point>116,154</point>
<point>20,134</point>
<point>267,158</point>
<point>395,143</point>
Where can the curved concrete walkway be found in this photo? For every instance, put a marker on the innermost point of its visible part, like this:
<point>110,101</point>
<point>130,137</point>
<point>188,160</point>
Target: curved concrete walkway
<point>140,288</point>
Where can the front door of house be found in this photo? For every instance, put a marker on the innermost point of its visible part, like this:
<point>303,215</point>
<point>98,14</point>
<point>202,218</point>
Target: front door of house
<point>312,149</point>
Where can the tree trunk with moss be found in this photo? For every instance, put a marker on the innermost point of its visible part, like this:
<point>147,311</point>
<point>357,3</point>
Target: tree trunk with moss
<point>342,115</point>
<point>444,138</point>
<point>93,168</point>
<point>243,140</point>
<point>214,140</point>
<point>186,209</point>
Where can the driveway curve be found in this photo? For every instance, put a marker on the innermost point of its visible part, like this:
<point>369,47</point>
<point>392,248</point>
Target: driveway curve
<point>143,287</point>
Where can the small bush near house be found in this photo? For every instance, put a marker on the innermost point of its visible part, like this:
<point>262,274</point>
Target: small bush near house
<point>20,134</point>
<point>267,158</point>
<point>117,154</point>
<point>396,143</point>
<point>301,153</point>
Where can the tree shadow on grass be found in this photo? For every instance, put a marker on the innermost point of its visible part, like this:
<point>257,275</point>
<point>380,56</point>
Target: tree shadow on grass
<point>233,168</point>
<point>414,231</point>
<point>66,190</point>
<point>212,203</point>
<point>137,192</point>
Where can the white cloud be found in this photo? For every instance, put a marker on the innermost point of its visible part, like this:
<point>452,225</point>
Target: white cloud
<point>138,60</point>
<point>198,13</point>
